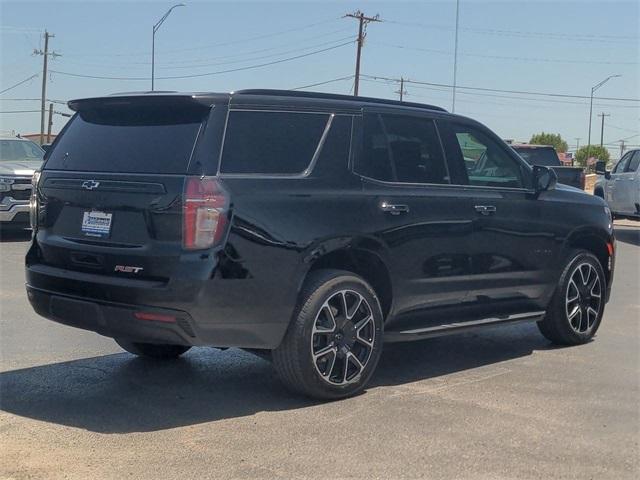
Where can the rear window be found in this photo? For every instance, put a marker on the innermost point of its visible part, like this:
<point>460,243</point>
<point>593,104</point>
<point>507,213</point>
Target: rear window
<point>271,142</point>
<point>128,140</point>
<point>546,157</point>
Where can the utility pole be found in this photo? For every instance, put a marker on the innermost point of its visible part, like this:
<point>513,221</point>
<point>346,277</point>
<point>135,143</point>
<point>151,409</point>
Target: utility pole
<point>602,127</point>
<point>455,58</point>
<point>362,33</point>
<point>50,122</point>
<point>402,91</point>
<point>621,148</point>
<point>577,139</point>
<point>45,64</point>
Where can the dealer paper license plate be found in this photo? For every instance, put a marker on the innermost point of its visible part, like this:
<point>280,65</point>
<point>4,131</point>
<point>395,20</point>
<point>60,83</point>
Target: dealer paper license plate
<point>96,224</point>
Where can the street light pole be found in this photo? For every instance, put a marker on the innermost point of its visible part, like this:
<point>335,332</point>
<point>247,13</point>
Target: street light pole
<point>153,42</point>
<point>593,90</point>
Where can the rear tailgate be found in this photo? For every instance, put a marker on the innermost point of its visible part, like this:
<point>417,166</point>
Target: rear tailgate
<point>111,189</point>
<point>573,176</point>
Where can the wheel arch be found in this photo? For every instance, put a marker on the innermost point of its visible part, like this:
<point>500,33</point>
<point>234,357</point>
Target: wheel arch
<point>363,261</point>
<point>595,243</point>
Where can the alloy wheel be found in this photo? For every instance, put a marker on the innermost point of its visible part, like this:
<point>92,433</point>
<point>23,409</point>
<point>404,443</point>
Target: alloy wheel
<point>583,298</point>
<point>343,337</point>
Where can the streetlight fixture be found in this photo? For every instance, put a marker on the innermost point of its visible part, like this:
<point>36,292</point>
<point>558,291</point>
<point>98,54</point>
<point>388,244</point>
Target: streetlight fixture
<point>593,89</point>
<point>153,41</point>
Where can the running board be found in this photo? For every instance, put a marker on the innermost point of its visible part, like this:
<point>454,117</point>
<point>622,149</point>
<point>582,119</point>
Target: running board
<point>461,327</point>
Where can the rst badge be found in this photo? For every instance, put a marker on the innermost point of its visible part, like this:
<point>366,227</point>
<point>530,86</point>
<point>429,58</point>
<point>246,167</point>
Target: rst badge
<point>127,269</point>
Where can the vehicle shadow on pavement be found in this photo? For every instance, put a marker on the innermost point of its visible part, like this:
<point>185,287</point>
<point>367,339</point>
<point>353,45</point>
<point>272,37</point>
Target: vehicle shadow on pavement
<point>121,394</point>
<point>628,235</point>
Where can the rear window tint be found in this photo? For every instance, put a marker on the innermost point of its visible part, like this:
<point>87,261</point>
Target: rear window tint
<point>128,140</point>
<point>546,157</point>
<point>271,142</point>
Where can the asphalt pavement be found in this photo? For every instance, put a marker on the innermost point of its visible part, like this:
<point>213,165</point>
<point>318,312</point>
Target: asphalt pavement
<point>503,403</point>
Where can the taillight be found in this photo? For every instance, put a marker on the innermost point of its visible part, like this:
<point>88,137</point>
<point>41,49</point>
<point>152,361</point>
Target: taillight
<point>205,209</point>
<point>33,201</point>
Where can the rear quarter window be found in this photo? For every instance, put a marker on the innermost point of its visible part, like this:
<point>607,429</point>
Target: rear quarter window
<point>271,142</point>
<point>128,140</point>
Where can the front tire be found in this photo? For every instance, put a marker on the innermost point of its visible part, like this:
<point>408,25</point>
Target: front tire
<point>576,308</point>
<point>334,341</point>
<point>152,350</point>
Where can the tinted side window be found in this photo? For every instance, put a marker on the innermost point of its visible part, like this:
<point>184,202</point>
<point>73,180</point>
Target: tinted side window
<point>487,164</point>
<point>271,142</point>
<point>334,156</point>
<point>402,149</point>
<point>374,161</point>
<point>632,166</point>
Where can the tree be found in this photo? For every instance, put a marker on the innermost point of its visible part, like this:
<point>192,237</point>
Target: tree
<point>596,151</point>
<point>550,139</point>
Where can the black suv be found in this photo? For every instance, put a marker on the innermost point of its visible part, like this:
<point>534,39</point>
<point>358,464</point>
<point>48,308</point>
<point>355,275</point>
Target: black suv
<point>310,225</point>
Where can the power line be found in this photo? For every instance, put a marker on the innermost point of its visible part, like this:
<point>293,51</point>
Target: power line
<point>525,34</point>
<point>511,97</point>
<point>19,83</point>
<point>222,44</point>
<point>176,77</point>
<point>324,83</point>
<point>20,111</point>
<point>129,64</point>
<point>517,92</point>
<point>504,57</point>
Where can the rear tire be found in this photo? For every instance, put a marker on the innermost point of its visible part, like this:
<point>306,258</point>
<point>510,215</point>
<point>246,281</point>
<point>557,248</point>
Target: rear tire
<point>152,350</point>
<point>334,341</point>
<point>576,308</point>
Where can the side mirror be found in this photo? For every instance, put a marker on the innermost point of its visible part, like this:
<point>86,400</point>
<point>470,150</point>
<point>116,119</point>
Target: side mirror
<point>544,178</point>
<point>601,169</point>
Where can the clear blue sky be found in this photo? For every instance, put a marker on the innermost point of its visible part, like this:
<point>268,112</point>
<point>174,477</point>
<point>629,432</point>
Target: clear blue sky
<point>542,46</point>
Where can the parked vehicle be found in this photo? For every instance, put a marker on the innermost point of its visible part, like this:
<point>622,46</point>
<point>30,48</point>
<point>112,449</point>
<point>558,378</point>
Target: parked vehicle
<point>308,225</point>
<point>546,155</point>
<point>19,158</point>
<point>621,186</point>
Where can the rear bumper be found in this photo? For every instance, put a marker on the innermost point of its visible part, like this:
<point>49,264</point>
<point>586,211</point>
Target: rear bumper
<point>119,320</point>
<point>14,210</point>
<point>212,311</point>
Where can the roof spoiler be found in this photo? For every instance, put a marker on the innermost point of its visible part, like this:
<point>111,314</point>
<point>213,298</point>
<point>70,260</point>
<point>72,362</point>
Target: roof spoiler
<point>142,100</point>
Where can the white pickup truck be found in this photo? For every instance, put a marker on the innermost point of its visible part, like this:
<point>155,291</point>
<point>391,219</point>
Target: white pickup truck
<point>620,187</point>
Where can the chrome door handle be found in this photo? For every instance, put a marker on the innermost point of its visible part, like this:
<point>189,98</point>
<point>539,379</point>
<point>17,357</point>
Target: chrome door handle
<point>394,209</point>
<point>485,209</point>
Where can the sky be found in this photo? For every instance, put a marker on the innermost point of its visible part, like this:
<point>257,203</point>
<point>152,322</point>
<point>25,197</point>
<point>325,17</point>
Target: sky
<point>555,47</point>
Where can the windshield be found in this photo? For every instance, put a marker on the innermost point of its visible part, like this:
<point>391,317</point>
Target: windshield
<point>127,140</point>
<point>546,157</point>
<point>19,150</point>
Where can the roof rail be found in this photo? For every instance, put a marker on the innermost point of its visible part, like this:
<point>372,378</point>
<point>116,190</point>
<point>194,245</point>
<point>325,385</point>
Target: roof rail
<point>335,96</point>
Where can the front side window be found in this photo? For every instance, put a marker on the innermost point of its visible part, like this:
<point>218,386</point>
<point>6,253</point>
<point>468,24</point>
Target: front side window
<point>403,149</point>
<point>633,163</point>
<point>273,143</point>
<point>486,163</point>
<point>620,166</point>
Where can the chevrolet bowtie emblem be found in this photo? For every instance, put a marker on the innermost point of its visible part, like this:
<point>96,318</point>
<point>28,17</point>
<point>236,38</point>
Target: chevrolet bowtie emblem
<point>90,184</point>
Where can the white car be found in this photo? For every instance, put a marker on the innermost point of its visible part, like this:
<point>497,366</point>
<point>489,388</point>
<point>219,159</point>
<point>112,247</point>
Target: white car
<point>620,187</point>
<point>19,158</point>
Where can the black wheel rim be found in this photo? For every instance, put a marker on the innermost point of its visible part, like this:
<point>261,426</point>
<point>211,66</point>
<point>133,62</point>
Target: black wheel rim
<point>343,337</point>
<point>583,298</point>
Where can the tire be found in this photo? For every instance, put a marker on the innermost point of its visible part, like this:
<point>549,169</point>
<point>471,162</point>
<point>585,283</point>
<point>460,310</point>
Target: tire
<point>152,350</point>
<point>599,193</point>
<point>575,311</point>
<point>327,354</point>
